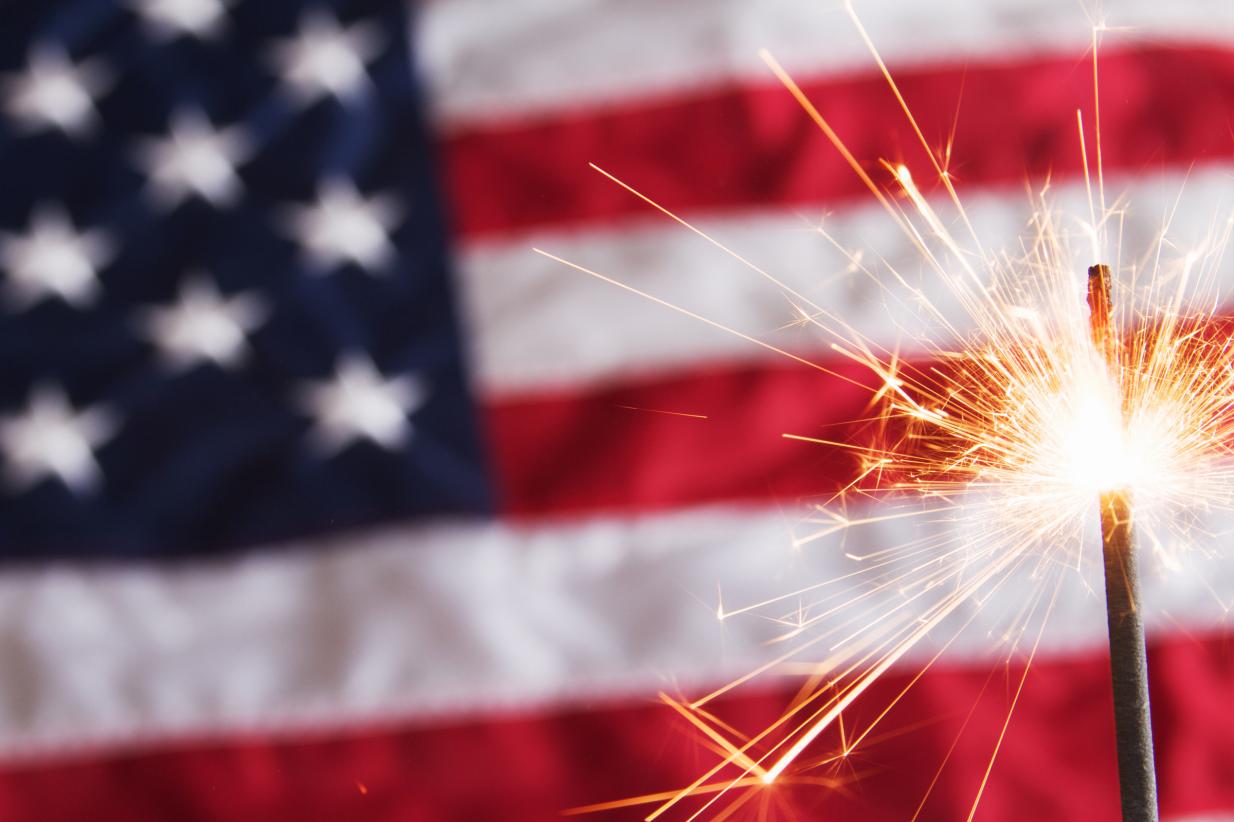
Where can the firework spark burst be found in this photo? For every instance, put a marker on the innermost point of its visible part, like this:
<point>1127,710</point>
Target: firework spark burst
<point>1002,429</point>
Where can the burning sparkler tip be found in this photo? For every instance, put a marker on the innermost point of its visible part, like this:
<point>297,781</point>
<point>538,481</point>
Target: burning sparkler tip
<point>1099,299</point>
<point>1098,283</point>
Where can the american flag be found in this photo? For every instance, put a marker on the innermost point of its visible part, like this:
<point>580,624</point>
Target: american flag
<point>324,498</point>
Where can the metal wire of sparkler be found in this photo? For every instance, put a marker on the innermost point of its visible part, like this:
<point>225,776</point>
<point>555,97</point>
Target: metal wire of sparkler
<point>1005,435</point>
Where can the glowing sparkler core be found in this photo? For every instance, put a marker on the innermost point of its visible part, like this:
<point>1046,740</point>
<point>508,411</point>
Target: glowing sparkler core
<point>1095,446</point>
<point>1101,457</point>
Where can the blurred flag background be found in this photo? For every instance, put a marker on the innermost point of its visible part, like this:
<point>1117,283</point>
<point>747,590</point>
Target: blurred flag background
<point>325,498</point>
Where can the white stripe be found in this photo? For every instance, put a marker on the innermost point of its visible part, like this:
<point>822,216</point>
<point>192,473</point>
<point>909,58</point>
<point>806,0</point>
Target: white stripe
<point>488,60</point>
<point>418,622</point>
<point>535,324</point>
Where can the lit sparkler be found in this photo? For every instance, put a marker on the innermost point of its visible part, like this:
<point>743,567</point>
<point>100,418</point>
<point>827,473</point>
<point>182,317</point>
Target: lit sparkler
<point>1005,428</point>
<point>1124,614</point>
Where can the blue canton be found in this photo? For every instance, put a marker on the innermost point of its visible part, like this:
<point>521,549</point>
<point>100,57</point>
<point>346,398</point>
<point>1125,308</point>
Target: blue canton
<point>225,311</point>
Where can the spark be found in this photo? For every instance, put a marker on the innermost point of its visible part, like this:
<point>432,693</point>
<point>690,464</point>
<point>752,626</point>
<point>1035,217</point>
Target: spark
<point>663,411</point>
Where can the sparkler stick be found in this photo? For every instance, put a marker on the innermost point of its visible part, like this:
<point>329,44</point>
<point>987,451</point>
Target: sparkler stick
<point>1128,663</point>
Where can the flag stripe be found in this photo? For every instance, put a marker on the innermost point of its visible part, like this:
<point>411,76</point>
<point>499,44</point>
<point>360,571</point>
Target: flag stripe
<point>488,63</point>
<point>709,435</point>
<point>735,146</point>
<point>311,637</point>
<point>530,766</point>
<point>632,448</point>
<point>537,327</point>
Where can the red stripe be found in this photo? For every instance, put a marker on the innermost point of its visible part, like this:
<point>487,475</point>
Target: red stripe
<point>1056,764</point>
<point>751,145</point>
<point>615,448</point>
<point>589,451</point>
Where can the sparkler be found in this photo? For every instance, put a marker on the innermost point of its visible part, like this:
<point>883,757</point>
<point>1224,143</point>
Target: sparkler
<point>1128,663</point>
<point>1018,411</point>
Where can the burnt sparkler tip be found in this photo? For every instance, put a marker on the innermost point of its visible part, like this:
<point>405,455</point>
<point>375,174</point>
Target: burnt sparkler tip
<point>1098,283</point>
<point>1099,308</point>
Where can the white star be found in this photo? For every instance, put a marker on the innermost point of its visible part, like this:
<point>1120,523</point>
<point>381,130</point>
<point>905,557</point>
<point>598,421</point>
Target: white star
<point>359,402</point>
<point>168,19</point>
<point>202,326</point>
<point>51,439</point>
<point>53,258</point>
<point>195,158</point>
<point>55,93</point>
<point>343,226</point>
<point>323,58</point>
